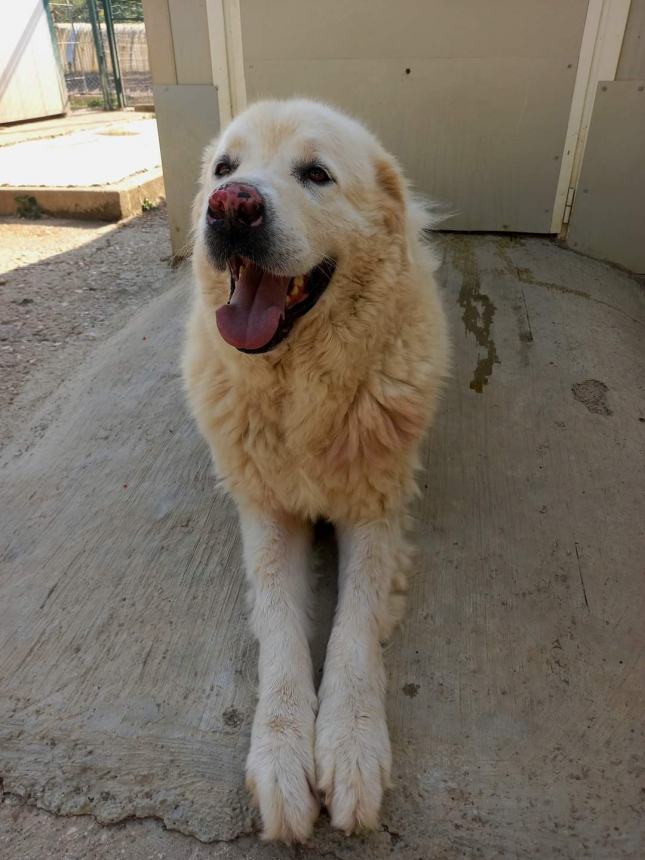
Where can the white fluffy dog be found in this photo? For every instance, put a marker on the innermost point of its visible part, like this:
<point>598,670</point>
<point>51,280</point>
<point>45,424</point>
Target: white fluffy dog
<point>315,352</point>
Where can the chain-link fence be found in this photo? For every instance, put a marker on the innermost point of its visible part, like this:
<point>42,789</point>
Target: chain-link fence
<point>103,51</point>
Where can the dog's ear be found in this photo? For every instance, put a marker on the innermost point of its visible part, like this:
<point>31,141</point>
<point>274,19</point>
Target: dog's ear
<point>390,180</point>
<point>391,183</point>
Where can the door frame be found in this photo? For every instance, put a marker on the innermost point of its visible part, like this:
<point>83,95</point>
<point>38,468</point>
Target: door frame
<point>602,40</point>
<point>227,56</point>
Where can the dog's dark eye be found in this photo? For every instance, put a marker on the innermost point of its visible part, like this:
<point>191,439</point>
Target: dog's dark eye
<point>223,167</point>
<point>317,174</point>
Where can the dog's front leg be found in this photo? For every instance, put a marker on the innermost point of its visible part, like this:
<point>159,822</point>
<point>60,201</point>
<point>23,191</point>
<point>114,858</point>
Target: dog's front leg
<point>280,765</point>
<point>353,754</point>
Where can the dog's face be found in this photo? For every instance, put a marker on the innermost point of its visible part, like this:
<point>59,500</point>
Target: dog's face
<point>287,191</point>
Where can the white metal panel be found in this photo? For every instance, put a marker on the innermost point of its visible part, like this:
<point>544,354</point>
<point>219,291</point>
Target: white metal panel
<point>483,137</point>
<point>187,119</point>
<point>631,65</point>
<point>161,50</point>
<point>608,218</point>
<point>473,98</point>
<point>409,29</point>
<point>190,39</point>
<point>31,84</point>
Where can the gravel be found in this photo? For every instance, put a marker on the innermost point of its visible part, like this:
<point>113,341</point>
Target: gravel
<point>64,286</point>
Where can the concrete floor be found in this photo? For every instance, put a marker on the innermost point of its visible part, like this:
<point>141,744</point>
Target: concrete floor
<point>78,120</point>
<point>516,681</point>
<point>98,165</point>
<point>96,156</point>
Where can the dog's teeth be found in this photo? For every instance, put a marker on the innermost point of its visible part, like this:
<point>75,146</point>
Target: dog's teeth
<point>296,286</point>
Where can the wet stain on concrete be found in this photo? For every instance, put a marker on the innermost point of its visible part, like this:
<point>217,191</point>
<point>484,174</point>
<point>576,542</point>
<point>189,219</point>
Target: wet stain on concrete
<point>478,314</point>
<point>526,276</point>
<point>232,718</point>
<point>394,836</point>
<point>593,394</point>
<point>524,330</point>
<point>410,690</point>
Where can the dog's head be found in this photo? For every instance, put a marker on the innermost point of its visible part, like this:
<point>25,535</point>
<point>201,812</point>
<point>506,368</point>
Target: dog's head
<point>288,192</point>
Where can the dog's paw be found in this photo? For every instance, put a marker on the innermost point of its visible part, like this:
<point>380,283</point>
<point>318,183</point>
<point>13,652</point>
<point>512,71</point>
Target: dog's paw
<point>353,760</point>
<point>280,773</point>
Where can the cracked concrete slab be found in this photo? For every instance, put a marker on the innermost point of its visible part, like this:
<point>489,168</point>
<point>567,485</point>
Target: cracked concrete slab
<point>516,683</point>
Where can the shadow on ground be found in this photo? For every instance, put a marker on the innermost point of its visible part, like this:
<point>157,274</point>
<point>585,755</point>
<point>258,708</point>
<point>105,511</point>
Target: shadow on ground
<point>64,287</point>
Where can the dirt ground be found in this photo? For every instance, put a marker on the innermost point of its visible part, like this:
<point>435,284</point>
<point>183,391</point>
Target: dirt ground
<point>64,286</point>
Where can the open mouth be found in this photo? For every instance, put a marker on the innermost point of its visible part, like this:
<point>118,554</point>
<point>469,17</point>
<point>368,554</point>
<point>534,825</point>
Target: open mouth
<point>262,306</point>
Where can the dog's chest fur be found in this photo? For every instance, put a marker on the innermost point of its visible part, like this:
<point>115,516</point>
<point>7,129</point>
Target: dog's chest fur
<point>292,437</point>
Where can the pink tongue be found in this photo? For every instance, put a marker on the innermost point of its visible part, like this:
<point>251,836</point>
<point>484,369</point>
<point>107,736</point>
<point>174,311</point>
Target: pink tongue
<point>253,315</point>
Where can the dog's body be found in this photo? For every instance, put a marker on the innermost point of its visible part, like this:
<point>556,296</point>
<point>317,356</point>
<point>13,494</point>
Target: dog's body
<point>323,418</point>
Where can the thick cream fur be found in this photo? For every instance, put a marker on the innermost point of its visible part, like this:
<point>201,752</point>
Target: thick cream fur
<point>328,424</point>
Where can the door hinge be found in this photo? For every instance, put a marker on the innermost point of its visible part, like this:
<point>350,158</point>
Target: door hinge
<point>571,193</point>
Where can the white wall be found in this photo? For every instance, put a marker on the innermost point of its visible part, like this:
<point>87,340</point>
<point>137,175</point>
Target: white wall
<point>31,84</point>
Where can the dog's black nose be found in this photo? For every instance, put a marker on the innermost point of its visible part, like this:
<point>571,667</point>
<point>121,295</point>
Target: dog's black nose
<point>238,204</point>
